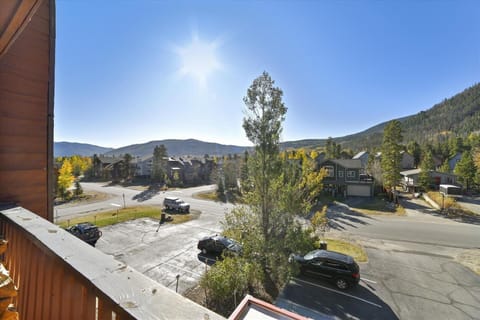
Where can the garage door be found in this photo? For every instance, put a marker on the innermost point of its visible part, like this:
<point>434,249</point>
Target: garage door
<point>358,190</point>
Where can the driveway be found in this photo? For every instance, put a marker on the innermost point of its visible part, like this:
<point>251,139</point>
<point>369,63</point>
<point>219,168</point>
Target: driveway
<point>470,203</point>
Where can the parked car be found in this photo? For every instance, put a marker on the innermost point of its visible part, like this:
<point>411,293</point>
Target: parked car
<point>333,266</point>
<point>219,244</point>
<point>174,203</point>
<point>86,231</point>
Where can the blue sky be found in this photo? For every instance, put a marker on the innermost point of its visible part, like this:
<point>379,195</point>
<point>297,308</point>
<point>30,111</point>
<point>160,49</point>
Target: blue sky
<point>130,72</point>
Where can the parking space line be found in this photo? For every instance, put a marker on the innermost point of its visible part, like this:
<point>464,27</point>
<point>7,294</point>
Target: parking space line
<point>339,292</point>
<point>368,280</point>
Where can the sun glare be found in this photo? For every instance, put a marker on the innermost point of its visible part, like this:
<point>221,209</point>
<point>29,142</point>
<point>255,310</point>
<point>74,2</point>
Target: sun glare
<point>199,60</point>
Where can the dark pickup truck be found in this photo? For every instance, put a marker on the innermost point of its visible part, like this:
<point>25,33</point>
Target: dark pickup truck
<point>86,231</point>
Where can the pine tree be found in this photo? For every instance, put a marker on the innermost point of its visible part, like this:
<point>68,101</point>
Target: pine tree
<point>391,157</point>
<point>466,169</point>
<point>427,164</point>
<point>159,164</point>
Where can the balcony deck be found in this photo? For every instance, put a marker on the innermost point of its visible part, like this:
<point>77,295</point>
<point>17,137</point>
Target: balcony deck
<point>61,277</point>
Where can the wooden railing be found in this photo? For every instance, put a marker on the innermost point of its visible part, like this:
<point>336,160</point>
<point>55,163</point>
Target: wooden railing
<point>60,277</point>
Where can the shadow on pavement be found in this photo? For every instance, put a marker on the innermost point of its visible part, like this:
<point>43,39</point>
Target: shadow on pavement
<point>340,214</point>
<point>449,214</point>
<point>147,194</point>
<point>322,297</point>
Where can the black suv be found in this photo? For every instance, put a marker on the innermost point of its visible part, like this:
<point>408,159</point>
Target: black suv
<point>339,268</point>
<point>218,245</point>
<point>86,231</point>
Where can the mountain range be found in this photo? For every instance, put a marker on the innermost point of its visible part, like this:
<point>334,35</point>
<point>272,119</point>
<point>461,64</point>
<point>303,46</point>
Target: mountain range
<point>458,115</point>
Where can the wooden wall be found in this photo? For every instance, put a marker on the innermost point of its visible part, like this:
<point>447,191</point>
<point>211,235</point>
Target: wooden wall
<point>26,112</point>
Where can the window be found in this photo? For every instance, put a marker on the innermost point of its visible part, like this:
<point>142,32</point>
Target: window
<point>350,174</point>
<point>340,173</point>
<point>330,171</point>
<point>334,265</point>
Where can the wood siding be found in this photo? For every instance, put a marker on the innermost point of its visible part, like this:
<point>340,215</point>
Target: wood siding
<point>26,111</point>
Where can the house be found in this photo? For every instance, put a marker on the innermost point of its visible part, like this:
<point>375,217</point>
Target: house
<point>346,177</point>
<point>407,161</point>
<point>143,166</point>
<point>363,157</point>
<point>410,179</point>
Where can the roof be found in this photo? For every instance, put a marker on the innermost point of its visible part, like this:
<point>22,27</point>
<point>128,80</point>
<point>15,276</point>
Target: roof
<point>347,163</point>
<point>360,154</point>
<point>417,171</point>
<point>255,309</point>
<point>410,172</point>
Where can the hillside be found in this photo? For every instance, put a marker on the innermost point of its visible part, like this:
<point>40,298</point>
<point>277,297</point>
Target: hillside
<point>459,115</point>
<point>177,147</point>
<point>67,149</point>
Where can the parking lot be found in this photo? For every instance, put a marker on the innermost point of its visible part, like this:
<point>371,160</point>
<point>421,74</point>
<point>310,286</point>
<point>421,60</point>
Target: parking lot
<point>395,284</point>
<point>159,255</point>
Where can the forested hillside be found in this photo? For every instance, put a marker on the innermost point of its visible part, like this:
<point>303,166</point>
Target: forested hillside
<point>458,115</point>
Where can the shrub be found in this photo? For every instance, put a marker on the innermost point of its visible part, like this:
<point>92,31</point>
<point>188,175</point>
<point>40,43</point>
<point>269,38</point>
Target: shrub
<point>228,281</point>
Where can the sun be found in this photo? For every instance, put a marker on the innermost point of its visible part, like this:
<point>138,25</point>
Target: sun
<point>199,60</point>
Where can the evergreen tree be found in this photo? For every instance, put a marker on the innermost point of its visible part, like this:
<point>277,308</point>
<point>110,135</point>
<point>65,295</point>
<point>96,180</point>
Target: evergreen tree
<point>445,167</point>
<point>159,164</point>
<point>424,178</point>
<point>127,166</point>
<point>414,149</point>
<point>466,169</point>
<point>391,157</point>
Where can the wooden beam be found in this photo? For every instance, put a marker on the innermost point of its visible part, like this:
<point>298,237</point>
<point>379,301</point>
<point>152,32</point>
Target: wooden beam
<point>17,21</point>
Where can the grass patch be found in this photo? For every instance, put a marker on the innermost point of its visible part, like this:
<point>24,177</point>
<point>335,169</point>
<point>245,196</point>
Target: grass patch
<point>102,219</point>
<point>447,201</point>
<point>348,248</point>
<point>233,197</point>
<point>378,206</point>
<point>208,195</point>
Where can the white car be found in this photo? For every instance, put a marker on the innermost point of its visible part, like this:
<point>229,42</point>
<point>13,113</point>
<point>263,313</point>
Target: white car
<point>174,203</point>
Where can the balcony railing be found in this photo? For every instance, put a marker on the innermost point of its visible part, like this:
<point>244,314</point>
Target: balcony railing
<point>60,277</point>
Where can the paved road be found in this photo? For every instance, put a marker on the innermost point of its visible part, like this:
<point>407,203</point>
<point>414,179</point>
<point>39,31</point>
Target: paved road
<point>419,226</point>
<point>118,196</point>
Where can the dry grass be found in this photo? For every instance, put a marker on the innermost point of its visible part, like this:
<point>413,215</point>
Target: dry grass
<point>209,195</point>
<point>348,248</point>
<point>447,201</point>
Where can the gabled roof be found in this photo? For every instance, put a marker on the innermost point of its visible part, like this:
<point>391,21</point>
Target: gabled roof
<point>346,163</point>
<point>410,172</point>
<point>360,154</point>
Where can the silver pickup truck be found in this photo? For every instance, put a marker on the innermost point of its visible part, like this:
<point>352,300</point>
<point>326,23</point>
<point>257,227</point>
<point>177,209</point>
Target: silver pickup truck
<point>174,203</point>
